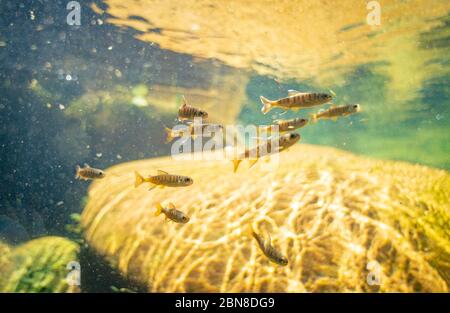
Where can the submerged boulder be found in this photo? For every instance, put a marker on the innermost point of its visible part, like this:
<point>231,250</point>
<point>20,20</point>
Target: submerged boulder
<point>345,222</point>
<point>5,263</point>
<point>39,265</point>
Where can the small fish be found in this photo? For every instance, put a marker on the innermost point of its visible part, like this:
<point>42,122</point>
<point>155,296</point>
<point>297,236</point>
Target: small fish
<point>288,125</point>
<point>334,112</point>
<point>172,213</point>
<point>187,112</point>
<point>284,142</point>
<point>88,172</point>
<point>163,179</point>
<point>296,100</point>
<point>269,251</point>
<point>194,130</point>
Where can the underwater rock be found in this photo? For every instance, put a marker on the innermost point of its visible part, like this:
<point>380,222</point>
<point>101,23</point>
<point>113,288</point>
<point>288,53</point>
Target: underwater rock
<point>39,265</point>
<point>345,222</point>
<point>5,263</point>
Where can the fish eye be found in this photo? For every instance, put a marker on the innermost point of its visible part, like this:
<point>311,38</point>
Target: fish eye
<point>185,219</point>
<point>355,106</point>
<point>292,136</point>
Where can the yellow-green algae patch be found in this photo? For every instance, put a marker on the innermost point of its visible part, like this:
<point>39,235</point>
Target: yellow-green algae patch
<point>330,212</point>
<point>38,265</point>
<point>5,263</point>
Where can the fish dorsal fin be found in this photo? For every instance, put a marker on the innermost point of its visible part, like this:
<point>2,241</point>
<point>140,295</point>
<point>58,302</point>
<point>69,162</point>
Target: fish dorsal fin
<point>171,205</point>
<point>86,165</point>
<point>160,172</point>
<point>184,101</point>
<point>292,92</point>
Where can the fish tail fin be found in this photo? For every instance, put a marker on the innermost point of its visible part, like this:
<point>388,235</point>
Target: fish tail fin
<point>138,179</point>
<point>159,209</point>
<point>267,105</point>
<point>251,230</point>
<point>236,165</point>
<point>169,133</point>
<point>77,172</point>
<point>253,234</point>
<point>313,117</point>
<point>258,238</point>
<point>253,162</point>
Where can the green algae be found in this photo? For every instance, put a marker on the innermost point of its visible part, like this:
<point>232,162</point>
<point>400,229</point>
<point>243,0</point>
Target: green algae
<point>39,265</point>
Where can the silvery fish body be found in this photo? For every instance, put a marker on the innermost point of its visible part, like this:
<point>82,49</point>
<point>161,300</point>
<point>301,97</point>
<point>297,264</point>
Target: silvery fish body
<point>172,213</point>
<point>187,112</point>
<point>88,172</point>
<point>296,100</point>
<point>269,251</point>
<point>334,112</point>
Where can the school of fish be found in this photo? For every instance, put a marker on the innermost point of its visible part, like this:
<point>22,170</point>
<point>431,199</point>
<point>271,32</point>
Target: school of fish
<point>276,143</point>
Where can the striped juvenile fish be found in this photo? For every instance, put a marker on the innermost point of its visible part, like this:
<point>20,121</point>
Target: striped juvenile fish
<point>171,213</point>
<point>269,251</point>
<point>193,130</point>
<point>334,112</point>
<point>288,125</point>
<point>284,142</point>
<point>163,179</point>
<point>88,172</point>
<point>296,100</point>
<point>187,112</point>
